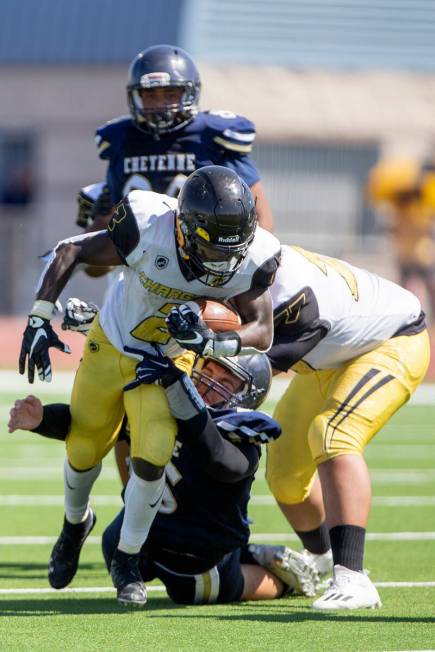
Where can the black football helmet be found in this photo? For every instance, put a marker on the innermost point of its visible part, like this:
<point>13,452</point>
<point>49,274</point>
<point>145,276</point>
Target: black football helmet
<point>254,371</point>
<point>216,223</point>
<point>162,66</point>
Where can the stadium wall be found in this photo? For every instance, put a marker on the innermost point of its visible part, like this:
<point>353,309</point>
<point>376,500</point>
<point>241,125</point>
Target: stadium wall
<point>318,133</point>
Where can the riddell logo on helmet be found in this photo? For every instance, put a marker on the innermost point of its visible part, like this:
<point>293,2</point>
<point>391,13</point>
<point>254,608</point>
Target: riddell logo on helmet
<point>229,239</point>
<point>153,79</point>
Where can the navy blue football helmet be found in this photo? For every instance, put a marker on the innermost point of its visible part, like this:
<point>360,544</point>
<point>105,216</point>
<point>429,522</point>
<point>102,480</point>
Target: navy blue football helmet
<point>163,66</point>
<point>254,371</point>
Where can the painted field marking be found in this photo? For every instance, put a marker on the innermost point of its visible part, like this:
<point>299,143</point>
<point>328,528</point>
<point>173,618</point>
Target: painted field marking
<point>382,475</point>
<point>159,588</point>
<point>260,537</point>
<point>85,589</point>
<point>11,382</point>
<point>266,500</point>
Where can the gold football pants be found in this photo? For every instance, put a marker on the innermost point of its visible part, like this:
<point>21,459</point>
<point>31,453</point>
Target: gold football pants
<point>335,412</point>
<point>98,405</point>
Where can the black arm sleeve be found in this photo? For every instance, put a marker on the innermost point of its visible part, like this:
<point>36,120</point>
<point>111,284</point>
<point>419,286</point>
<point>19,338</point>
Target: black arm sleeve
<point>218,457</point>
<point>264,276</point>
<point>297,329</point>
<point>55,422</point>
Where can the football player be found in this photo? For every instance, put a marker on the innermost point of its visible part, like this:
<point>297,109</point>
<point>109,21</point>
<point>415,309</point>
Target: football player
<point>198,542</point>
<point>206,243</point>
<point>403,191</point>
<point>360,348</point>
<point>166,137</point>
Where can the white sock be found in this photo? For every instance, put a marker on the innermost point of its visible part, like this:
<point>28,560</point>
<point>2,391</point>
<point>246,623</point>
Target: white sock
<point>142,501</point>
<point>77,487</point>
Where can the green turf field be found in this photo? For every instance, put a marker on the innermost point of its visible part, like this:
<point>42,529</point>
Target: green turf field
<point>400,549</point>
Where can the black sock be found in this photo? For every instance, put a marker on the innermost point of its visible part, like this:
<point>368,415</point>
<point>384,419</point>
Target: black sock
<point>316,541</point>
<point>347,542</point>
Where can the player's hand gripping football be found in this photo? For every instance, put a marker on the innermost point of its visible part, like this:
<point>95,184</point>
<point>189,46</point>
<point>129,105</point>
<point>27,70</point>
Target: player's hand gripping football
<point>152,368</point>
<point>79,315</point>
<point>190,331</point>
<point>38,337</point>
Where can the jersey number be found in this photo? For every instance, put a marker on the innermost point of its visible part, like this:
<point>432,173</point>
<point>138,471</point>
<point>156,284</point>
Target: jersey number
<point>323,262</point>
<point>140,182</point>
<point>292,311</point>
<point>169,502</point>
<point>153,329</point>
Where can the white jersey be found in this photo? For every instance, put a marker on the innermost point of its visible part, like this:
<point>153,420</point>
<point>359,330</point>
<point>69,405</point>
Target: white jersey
<point>327,312</point>
<point>143,231</point>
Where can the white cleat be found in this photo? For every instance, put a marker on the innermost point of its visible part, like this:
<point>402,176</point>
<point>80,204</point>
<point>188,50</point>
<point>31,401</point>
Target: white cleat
<point>291,567</point>
<point>349,590</point>
<point>323,563</point>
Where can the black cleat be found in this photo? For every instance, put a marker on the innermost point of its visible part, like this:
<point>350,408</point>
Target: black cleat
<point>126,577</point>
<point>64,558</point>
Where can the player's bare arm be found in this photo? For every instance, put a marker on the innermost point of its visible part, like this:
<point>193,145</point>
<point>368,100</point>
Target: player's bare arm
<point>264,211</point>
<point>255,309</point>
<point>39,336</point>
<point>92,249</point>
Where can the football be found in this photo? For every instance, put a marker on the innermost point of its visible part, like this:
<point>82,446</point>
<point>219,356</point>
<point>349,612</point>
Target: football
<point>218,316</point>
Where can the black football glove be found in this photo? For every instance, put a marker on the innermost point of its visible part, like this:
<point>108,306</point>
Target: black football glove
<point>79,315</point>
<point>191,332</point>
<point>38,337</point>
<point>152,368</point>
<point>188,329</point>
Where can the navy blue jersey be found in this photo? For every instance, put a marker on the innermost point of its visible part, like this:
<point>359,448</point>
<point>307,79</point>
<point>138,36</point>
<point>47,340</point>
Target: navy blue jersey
<point>139,161</point>
<point>200,514</point>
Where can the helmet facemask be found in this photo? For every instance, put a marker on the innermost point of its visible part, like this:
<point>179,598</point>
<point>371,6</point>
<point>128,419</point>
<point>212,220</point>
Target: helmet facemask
<point>228,396</point>
<point>213,264</point>
<point>170,116</point>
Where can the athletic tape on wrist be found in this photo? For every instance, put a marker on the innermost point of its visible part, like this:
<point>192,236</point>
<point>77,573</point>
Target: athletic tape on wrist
<point>226,345</point>
<point>43,309</point>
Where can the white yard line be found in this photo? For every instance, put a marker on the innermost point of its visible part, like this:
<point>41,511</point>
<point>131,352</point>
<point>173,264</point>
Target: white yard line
<point>260,537</point>
<point>159,589</point>
<point>12,382</point>
<point>27,500</point>
<point>84,589</point>
<point>384,476</point>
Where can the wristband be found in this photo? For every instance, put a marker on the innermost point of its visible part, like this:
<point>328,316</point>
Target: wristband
<point>43,309</point>
<point>226,345</point>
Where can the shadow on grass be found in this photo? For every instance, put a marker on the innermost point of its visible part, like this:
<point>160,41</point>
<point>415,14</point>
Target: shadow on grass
<point>67,604</point>
<point>26,570</point>
<point>158,607</point>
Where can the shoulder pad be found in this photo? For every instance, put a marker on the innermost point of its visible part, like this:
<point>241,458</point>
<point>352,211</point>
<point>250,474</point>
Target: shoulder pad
<point>123,229</point>
<point>133,216</point>
<point>265,253</point>
<point>109,136</point>
<point>230,131</point>
<point>247,426</point>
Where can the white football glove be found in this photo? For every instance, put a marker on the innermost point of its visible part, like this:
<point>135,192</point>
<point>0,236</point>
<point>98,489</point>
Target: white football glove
<point>79,315</point>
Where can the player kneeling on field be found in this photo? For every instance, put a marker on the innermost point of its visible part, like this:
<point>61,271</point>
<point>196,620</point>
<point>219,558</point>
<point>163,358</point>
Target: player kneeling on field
<point>198,543</point>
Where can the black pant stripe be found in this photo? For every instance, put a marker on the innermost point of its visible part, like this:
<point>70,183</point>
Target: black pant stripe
<point>360,384</point>
<point>383,381</point>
